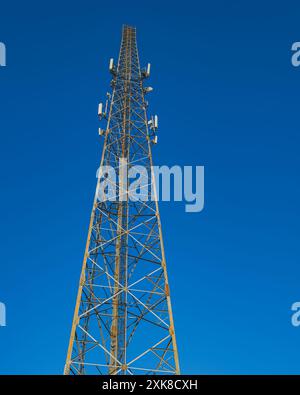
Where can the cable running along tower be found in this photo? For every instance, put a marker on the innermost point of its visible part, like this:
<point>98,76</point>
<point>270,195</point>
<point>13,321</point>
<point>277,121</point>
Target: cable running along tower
<point>123,321</point>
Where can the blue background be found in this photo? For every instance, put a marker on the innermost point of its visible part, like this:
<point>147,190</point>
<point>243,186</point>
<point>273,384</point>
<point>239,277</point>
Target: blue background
<point>227,98</point>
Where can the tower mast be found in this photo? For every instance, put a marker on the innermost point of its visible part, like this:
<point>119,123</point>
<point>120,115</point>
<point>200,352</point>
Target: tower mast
<point>123,322</point>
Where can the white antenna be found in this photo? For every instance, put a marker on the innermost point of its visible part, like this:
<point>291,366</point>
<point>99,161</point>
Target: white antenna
<point>148,70</point>
<point>154,141</point>
<point>111,64</point>
<point>100,110</point>
<point>153,122</point>
<point>148,89</point>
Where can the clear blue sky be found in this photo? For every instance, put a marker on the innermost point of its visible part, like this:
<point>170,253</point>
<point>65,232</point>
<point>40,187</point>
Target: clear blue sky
<point>227,98</point>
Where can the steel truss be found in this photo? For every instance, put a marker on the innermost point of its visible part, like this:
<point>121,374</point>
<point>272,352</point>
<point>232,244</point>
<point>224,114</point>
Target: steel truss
<point>123,321</point>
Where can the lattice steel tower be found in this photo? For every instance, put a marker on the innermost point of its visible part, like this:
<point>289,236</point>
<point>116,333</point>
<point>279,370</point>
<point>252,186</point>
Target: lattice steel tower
<point>123,321</point>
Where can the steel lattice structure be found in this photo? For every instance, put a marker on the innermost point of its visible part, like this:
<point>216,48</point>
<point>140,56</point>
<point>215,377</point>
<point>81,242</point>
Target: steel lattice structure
<point>123,321</point>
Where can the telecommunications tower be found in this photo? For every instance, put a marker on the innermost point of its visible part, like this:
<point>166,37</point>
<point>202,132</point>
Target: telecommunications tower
<point>123,321</point>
